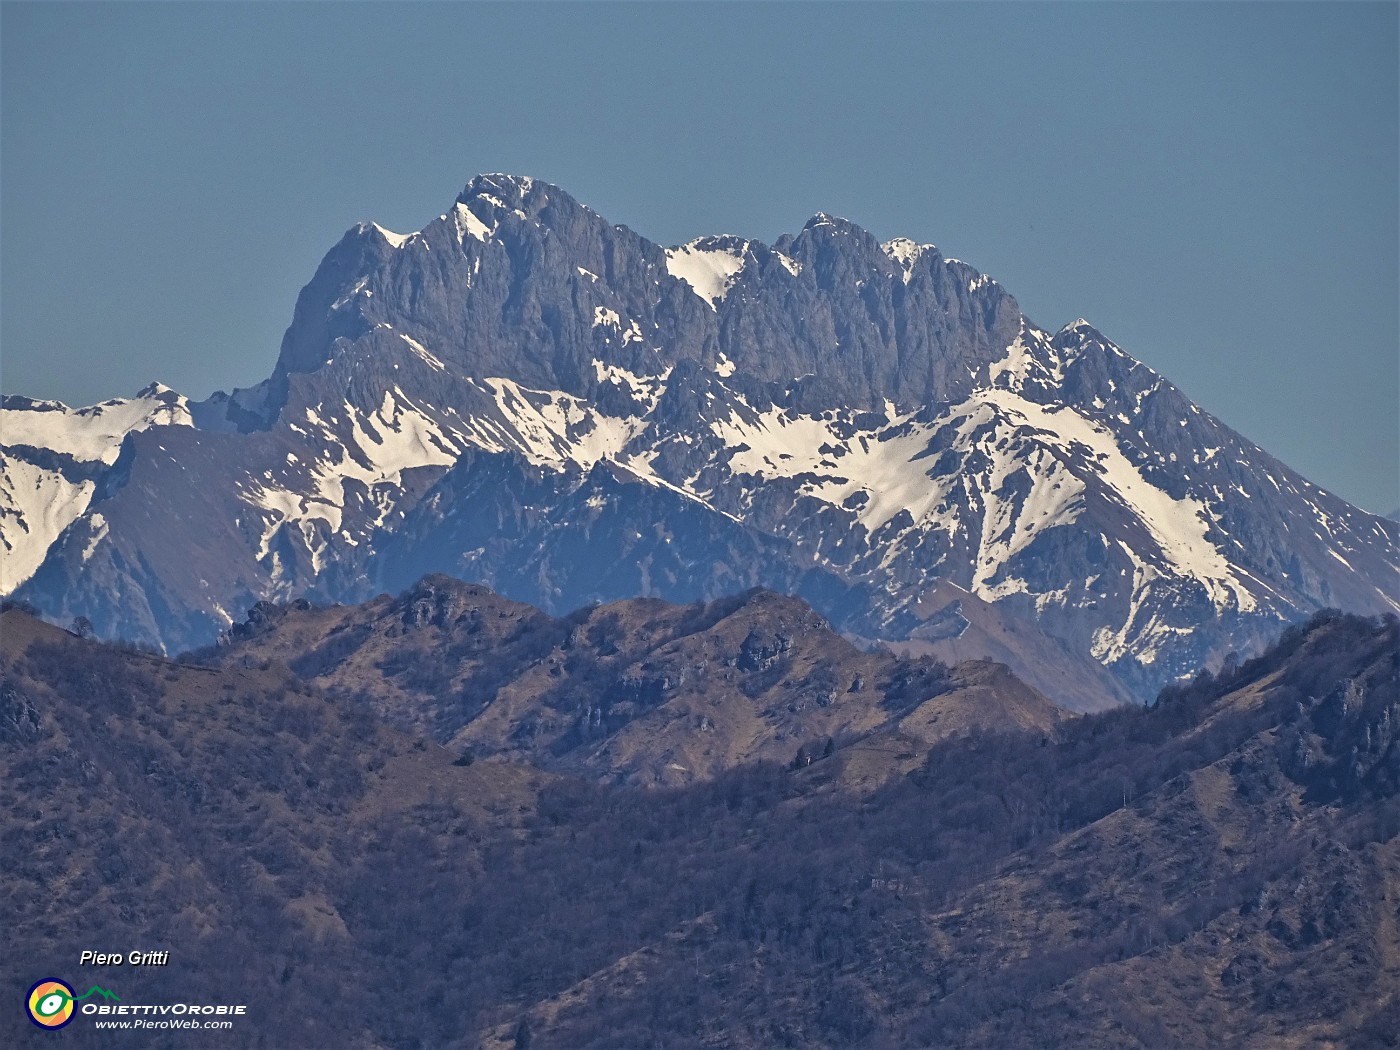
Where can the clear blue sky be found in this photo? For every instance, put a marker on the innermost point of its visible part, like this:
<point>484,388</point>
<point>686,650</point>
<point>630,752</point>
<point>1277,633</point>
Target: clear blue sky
<point>1214,186</point>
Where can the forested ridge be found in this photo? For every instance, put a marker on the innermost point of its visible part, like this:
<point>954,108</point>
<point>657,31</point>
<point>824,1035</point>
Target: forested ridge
<point>1220,868</point>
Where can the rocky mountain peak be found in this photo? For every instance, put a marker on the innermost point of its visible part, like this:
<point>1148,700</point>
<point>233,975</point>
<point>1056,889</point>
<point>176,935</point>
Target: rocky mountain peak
<point>1081,331</point>
<point>834,224</point>
<point>512,189</point>
<point>525,395</point>
<point>158,391</point>
<point>832,234</point>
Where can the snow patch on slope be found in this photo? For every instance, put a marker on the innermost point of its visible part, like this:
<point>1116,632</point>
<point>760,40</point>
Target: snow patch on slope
<point>468,225</point>
<point>905,253</point>
<point>422,352</point>
<point>554,429</point>
<point>372,449</point>
<point>1177,526</point>
<point>1177,529</point>
<point>1035,465</point>
<point>790,264</point>
<point>710,272</point>
<point>94,433</point>
<point>603,317</point>
<point>36,505</point>
<point>395,239</point>
<point>833,464</point>
<point>646,389</point>
<point>99,527</point>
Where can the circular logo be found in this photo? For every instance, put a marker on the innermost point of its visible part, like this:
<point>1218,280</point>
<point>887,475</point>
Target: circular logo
<point>50,1003</point>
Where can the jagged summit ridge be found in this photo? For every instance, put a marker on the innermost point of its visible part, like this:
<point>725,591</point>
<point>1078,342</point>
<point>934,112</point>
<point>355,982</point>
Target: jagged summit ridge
<point>525,394</point>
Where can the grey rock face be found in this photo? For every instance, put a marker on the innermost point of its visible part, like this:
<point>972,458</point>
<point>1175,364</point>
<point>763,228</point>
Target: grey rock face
<point>525,395</point>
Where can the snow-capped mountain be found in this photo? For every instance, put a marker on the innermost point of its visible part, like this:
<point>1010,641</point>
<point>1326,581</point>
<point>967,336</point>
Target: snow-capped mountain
<point>50,458</point>
<point>523,394</point>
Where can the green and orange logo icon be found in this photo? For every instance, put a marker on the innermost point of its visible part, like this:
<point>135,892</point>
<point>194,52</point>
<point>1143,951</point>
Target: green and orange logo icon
<point>51,1001</point>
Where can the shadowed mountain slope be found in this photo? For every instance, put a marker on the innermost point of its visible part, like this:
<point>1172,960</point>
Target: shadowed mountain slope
<point>1220,869</point>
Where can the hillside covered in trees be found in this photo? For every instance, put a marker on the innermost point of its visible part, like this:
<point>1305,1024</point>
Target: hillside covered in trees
<point>1221,868</point>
